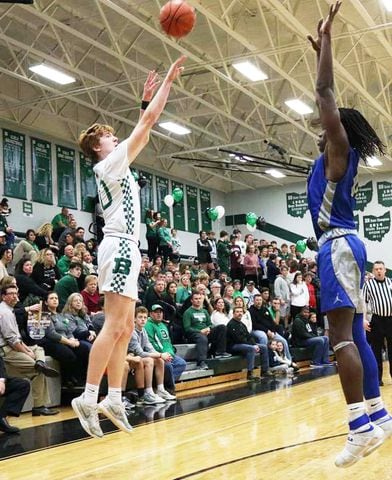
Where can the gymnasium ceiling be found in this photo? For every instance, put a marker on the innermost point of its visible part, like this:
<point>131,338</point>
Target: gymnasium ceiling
<point>109,46</point>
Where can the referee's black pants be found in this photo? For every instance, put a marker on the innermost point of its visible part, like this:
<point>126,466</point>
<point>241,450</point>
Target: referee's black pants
<point>381,330</point>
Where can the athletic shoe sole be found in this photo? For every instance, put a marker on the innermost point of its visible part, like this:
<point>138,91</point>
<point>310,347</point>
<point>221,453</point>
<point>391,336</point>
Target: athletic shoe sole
<point>116,421</point>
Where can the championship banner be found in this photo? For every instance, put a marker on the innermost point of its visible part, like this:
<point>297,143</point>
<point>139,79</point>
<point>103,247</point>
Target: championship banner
<point>375,228</point>
<point>297,204</point>
<point>384,193</point>
<point>364,196</point>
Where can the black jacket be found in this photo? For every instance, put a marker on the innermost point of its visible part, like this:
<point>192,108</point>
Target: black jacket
<point>203,251</point>
<point>302,330</point>
<point>237,332</point>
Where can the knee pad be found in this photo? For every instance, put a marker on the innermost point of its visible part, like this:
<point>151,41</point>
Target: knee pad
<point>341,345</point>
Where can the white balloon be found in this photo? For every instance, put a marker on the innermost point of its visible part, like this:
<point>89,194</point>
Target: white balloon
<point>250,228</point>
<point>221,211</point>
<point>168,200</point>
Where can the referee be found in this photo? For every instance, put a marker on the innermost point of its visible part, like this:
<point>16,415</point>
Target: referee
<point>378,293</point>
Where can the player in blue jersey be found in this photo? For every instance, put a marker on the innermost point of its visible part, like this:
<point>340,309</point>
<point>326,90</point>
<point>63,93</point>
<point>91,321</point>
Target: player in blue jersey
<point>332,184</point>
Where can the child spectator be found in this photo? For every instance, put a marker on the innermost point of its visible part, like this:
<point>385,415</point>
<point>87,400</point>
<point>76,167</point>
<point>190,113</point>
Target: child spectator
<point>276,363</point>
<point>90,294</point>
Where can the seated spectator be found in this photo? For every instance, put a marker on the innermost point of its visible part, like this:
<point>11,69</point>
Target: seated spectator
<point>4,227</point>
<point>199,329</point>
<point>69,230</point>
<point>60,343</point>
<point>68,284</point>
<point>283,358</point>
<point>228,294</point>
<point>90,294</point>
<point>304,334</point>
<point>154,294</point>
<point>65,261</point>
<point>27,248</point>
<point>79,236</point>
<point>215,291</point>
<point>5,261</point>
<point>60,223</point>
<point>76,313</point>
<point>20,360</point>
<point>14,391</point>
<point>184,289</point>
<point>249,293</point>
<point>89,268</point>
<point>152,361</point>
<point>251,264</point>
<point>239,340</point>
<point>45,271</point>
<point>29,290</point>
<point>219,316</point>
<point>68,240</point>
<point>195,270</point>
<point>44,238</point>
<point>174,320</point>
<point>158,262</point>
<point>299,295</point>
<point>246,317</point>
<point>276,363</point>
<point>158,334</point>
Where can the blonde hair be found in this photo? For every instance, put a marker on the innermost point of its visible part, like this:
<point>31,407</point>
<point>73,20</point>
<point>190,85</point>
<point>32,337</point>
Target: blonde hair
<point>79,249</point>
<point>89,279</point>
<point>243,303</point>
<point>41,258</point>
<point>45,230</point>
<point>68,308</point>
<point>89,139</point>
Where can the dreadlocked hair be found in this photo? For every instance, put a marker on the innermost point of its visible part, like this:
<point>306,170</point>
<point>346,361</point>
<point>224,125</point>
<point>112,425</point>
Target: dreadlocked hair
<point>361,134</point>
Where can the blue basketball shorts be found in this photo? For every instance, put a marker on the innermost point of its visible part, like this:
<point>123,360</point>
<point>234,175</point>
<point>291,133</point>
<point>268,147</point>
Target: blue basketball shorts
<point>341,269</point>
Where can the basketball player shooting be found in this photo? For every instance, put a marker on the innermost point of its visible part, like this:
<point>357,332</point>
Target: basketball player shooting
<point>118,254</point>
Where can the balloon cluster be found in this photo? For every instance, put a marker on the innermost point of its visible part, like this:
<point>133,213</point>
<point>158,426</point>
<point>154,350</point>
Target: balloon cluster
<point>253,222</point>
<point>310,243</point>
<point>215,213</point>
<point>176,197</point>
<point>140,179</point>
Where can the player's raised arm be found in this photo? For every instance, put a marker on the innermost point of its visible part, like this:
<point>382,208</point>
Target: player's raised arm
<point>150,85</point>
<point>337,140</point>
<point>140,135</point>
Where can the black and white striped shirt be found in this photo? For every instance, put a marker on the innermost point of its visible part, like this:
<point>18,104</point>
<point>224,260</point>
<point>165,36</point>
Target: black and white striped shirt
<point>379,295</point>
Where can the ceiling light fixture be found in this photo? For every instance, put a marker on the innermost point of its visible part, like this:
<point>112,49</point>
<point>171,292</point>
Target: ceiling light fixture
<point>250,71</point>
<point>175,128</point>
<point>52,74</point>
<point>275,173</point>
<point>298,106</point>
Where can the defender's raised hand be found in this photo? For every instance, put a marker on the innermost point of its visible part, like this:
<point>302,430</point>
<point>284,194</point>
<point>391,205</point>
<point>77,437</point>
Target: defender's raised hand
<point>150,85</point>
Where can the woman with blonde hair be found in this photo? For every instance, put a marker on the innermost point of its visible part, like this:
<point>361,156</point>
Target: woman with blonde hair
<point>76,312</point>
<point>246,317</point>
<point>44,237</point>
<point>45,271</point>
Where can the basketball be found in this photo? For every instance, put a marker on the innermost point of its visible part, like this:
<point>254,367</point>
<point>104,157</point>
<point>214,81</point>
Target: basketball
<point>177,18</point>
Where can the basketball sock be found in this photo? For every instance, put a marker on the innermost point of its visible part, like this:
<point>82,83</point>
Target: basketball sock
<point>149,390</point>
<point>160,387</point>
<point>376,410</point>
<point>90,394</point>
<point>371,388</point>
<point>114,395</point>
<point>140,392</point>
<point>358,420</point>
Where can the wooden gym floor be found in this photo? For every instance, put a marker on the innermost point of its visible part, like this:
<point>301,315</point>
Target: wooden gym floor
<point>275,430</point>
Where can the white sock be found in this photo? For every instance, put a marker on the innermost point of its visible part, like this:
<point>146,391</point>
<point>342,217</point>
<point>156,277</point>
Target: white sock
<point>114,395</point>
<point>355,412</point>
<point>90,394</point>
<point>374,405</point>
<point>149,390</point>
<point>160,387</point>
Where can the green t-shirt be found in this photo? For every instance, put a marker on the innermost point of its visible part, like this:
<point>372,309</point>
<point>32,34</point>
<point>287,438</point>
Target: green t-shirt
<point>195,320</point>
<point>59,218</point>
<point>151,232</point>
<point>158,334</point>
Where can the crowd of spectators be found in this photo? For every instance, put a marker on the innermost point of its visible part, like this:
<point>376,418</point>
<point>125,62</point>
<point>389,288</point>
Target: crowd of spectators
<point>235,297</point>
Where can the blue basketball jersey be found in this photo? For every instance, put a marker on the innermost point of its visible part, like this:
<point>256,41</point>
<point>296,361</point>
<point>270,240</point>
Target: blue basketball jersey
<point>332,204</point>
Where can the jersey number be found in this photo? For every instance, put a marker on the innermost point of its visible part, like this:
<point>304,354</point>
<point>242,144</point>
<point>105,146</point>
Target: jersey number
<point>122,266</point>
<point>104,195</point>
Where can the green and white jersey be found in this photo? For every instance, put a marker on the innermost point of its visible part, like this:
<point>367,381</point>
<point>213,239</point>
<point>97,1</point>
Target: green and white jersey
<point>118,194</point>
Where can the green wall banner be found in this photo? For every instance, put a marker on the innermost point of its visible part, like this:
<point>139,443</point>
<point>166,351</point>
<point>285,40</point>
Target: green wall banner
<point>178,209</point>
<point>297,204</point>
<point>88,186</point>
<point>205,202</point>
<point>146,195</point>
<point>14,164</point>
<point>364,196</point>
<point>375,228</point>
<point>66,176</point>
<point>384,193</point>
<point>41,171</point>
<point>162,191</point>
<point>193,213</point>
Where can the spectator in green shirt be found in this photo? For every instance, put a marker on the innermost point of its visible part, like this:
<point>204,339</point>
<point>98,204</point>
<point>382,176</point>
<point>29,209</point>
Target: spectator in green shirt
<point>65,261</point>
<point>59,223</point>
<point>164,240</point>
<point>68,284</point>
<point>158,334</point>
<point>199,329</point>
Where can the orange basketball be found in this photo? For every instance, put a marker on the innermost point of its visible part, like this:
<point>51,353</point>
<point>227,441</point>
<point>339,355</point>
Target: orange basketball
<point>177,18</point>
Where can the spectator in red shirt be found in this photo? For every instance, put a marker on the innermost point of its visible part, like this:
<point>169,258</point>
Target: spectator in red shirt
<point>312,291</point>
<point>90,294</point>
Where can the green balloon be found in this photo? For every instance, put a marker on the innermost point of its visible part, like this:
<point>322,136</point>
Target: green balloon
<point>213,214</point>
<point>251,219</point>
<point>300,246</point>
<point>178,195</point>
